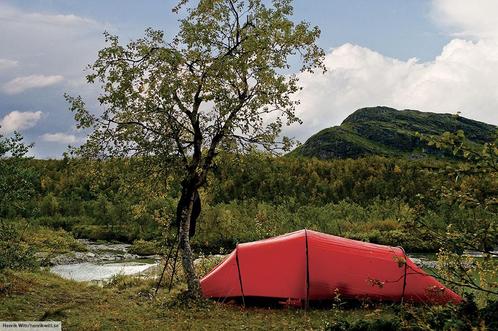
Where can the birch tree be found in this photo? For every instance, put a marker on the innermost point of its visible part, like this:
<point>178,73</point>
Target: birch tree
<point>222,82</point>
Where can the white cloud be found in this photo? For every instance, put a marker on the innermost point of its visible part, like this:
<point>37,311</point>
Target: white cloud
<point>7,64</point>
<point>17,120</point>
<point>9,13</point>
<point>58,19</point>
<point>60,137</point>
<point>46,41</point>
<point>475,19</point>
<point>462,78</point>
<point>21,84</point>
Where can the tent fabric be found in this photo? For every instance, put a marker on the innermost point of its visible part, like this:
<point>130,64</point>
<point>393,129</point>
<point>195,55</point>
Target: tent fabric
<point>309,265</point>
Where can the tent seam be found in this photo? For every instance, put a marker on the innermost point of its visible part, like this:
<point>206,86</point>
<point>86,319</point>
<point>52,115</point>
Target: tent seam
<point>404,276</point>
<point>307,271</point>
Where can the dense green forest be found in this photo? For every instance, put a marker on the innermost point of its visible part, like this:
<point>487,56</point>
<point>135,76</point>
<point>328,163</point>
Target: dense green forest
<point>249,197</point>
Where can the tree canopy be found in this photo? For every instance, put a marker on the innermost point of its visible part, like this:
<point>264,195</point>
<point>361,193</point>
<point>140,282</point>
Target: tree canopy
<point>213,84</point>
<point>222,82</point>
<point>17,180</point>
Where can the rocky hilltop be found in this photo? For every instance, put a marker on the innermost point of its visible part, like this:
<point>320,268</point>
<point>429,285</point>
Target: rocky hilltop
<point>390,132</point>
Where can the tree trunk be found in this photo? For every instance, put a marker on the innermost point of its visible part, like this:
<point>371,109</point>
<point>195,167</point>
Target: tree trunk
<point>187,201</point>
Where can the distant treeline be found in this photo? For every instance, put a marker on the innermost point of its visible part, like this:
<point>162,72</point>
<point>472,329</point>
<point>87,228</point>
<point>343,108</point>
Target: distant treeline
<point>248,198</point>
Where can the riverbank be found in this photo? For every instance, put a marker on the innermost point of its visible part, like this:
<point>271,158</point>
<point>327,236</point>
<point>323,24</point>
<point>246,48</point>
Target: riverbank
<point>99,252</point>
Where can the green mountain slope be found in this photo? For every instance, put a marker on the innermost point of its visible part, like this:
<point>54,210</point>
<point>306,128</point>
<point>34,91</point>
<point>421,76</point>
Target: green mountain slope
<point>388,131</point>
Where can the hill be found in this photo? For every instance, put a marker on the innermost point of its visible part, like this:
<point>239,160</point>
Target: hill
<point>390,132</point>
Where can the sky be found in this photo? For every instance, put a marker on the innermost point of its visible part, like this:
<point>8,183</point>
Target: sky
<point>431,55</point>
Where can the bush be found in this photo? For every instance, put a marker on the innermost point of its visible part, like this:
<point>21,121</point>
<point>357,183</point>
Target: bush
<point>103,233</point>
<point>122,282</point>
<point>382,222</point>
<point>489,315</point>
<point>380,324</point>
<point>45,239</point>
<point>143,247</point>
<point>62,222</point>
<point>14,253</point>
<point>465,316</point>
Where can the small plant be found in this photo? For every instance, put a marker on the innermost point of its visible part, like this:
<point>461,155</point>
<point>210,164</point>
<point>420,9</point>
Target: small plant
<point>14,253</point>
<point>143,247</point>
<point>122,282</point>
<point>204,264</point>
<point>380,324</point>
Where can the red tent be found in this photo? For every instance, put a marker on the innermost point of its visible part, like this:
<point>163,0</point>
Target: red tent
<point>309,265</point>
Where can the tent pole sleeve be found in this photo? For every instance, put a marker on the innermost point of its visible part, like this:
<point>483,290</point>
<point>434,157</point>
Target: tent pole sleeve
<point>240,276</point>
<point>306,304</point>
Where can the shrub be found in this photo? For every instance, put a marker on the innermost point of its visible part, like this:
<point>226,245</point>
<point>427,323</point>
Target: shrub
<point>380,324</point>
<point>143,247</point>
<point>489,315</point>
<point>49,240</point>
<point>62,222</point>
<point>99,232</point>
<point>14,253</point>
<point>122,282</point>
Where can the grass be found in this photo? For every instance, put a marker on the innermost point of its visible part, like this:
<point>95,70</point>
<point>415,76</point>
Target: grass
<point>128,303</point>
<point>41,295</point>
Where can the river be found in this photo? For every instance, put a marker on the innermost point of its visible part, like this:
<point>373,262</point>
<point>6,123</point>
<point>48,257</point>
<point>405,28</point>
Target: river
<point>101,262</point>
